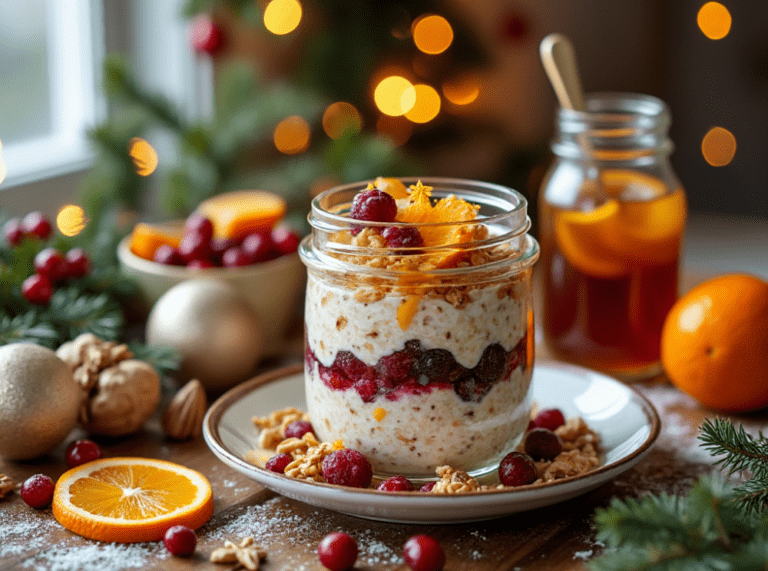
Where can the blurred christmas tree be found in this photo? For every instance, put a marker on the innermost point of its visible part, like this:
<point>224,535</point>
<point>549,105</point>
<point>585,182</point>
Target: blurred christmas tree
<point>359,84</point>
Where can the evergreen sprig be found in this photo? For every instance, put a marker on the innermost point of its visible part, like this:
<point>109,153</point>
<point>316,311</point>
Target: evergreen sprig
<point>714,528</point>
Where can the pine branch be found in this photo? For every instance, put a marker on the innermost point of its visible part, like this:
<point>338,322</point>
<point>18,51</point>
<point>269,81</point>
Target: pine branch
<point>28,328</point>
<point>73,312</point>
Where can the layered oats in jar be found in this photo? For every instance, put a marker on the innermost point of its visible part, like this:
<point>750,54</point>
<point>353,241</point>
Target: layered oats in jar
<point>419,324</point>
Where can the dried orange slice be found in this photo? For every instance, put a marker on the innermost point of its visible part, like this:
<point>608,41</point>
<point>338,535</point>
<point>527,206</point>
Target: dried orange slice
<point>128,500</point>
<point>146,238</point>
<point>237,214</point>
<point>392,186</point>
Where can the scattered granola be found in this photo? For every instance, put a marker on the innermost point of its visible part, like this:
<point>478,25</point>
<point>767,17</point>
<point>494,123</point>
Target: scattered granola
<point>309,466</point>
<point>272,427</point>
<point>246,554</point>
<point>453,481</point>
<point>6,485</point>
<point>581,452</point>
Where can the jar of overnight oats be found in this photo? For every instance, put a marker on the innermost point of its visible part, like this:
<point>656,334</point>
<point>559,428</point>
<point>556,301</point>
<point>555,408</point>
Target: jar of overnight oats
<point>419,323</point>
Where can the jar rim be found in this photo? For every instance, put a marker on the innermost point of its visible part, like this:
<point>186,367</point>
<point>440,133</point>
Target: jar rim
<point>616,107</point>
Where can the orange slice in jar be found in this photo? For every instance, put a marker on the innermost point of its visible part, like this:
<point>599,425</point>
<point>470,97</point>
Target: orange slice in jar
<point>392,186</point>
<point>129,500</point>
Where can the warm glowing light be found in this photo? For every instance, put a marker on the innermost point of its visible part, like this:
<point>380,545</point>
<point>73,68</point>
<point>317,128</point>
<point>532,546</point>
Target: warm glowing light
<point>427,104</point>
<point>292,135</point>
<point>462,90</point>
<point>432,34</point>
<point>282,16</point>
<point>341,118</point>
<point>143,155</point>
<point>718,147</point>
<point>3,169</point>
<point>71,220</point>
<point>714,20</point>
<point>397,129</point>
<point>394,96</point>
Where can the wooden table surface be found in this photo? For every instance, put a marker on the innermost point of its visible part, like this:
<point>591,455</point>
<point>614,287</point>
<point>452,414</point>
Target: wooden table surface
<point>558,537</point>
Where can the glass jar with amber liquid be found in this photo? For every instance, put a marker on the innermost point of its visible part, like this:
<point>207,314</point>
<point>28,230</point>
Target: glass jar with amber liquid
<point>612,217</point>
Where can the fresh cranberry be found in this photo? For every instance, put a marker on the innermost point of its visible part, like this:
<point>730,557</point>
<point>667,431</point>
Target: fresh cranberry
<point>37,289</point>
<point>168,255</point>
<point>298,428</point>
<point>517,469</point>
<point>194,247</point>
<point>13,232</point>
<point>50,263</point>
<point>542,443</point>
<point>80,452</point>
<point>37,491</point>
<point>374,206</point>
<point>221,245</point>
<point>207,37</point>
<point>258,247</point>
<point>395,367</point>
<point>395,484</point>
<point>36,223</point>
<point>367,388</point>
<point>427,487</point>
<point>180,540</point>
<point>337,551</point>
<point>551,418</point>
<point>200,225</point>
<point>423,553</point>
<point>403,237</point>
<point>278,462</point>
<point>351,366</point>
<point>200,264</point>
<point>234,258</point>
<point>284,240</point>
<point>347,467</point>
<point>78,263</point>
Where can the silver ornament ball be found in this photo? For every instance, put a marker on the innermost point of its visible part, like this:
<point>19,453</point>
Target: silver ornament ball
<point>39,401</point>
<point>214,329</point>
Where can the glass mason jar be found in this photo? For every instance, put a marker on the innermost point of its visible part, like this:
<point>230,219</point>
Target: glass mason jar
<point>612,217</point>
<point>420,357</point>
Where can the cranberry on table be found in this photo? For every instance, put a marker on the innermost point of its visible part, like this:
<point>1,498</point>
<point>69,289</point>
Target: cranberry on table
<point>423,553</point>
<point>298,428</point>
<point>550,418</point>
<point>395,484</point>
<point>234,258</point>
<point>81,451</point>
<point>278,463</point>
<point>50,263</point>
<point>258,247</point>
<point>337,551</point>
<point>373,206</point>
<point>284,240</point>
<point>36,224</point>
<point>37,289</point>
<point>200,225</point>
<point>427,487</point>
<point>347,467</point>
<point>180,540</point>
<point>78,263</point>
<point>194,247</point>
<point>13,232</point>
<point>542,443</point>
<point>37,491</point>
<point>517,469</point>
<point>168,255</point>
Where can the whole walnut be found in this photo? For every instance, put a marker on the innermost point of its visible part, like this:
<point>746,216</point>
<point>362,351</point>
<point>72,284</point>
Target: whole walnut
<point>124,397</point>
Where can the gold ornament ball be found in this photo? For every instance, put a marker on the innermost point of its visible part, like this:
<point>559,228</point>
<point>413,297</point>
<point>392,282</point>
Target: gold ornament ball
<point>213,327</point>
<point>39,401</point>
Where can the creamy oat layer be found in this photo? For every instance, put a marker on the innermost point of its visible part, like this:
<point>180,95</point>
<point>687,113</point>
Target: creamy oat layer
<point>337,320</point>
<point>415,434</point>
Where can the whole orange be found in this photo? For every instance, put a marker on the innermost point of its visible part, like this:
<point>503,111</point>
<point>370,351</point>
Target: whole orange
<point>714,345</point>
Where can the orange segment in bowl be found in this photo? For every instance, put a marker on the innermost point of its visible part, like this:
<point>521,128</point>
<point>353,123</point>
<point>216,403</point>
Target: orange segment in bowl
<point>129,500</point>
<point>237,214</point>
<point>146,238</point>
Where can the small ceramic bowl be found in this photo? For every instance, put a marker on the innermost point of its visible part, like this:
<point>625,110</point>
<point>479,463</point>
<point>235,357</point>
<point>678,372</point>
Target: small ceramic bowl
<point>272,288</point>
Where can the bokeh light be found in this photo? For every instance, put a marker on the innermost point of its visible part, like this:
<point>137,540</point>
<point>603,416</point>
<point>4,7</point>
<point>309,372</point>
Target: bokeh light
<point>427,104</point>
<point>143,155</point>
<point>341,118</point>
<point>718,146</point>
<point>432,34</point>
<point>714,20</point>
<point>462,90</point>
<point>282,16</point>
<point>292,135</point>
<point>394,96</point>
<point>71,220</point>
<point>397,129</point>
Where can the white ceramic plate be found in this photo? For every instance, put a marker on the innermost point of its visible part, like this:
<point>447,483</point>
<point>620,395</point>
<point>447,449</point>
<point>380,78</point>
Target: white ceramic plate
<point>627,423</point>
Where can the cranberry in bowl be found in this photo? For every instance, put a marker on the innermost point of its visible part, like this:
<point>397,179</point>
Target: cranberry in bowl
<point>419,324</point>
